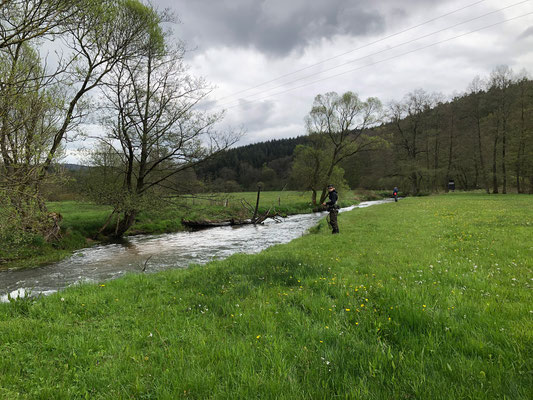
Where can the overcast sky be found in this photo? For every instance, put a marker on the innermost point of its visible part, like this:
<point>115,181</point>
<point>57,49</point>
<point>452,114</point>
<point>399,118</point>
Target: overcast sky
<point>365,46</point>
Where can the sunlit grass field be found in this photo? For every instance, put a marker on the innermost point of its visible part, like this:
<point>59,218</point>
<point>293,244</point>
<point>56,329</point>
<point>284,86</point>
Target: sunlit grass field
<point>427,298</point>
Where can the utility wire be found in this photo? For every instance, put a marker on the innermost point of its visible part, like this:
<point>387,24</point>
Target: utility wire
<point>353,50</point>
<point>387,59</point>
<point>372,54</point>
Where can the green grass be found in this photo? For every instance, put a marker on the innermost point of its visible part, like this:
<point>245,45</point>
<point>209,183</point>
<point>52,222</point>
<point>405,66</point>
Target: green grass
<point>82,217</point>
<point>80,224</point>
<point>427,298</point>
<point>87,218</point>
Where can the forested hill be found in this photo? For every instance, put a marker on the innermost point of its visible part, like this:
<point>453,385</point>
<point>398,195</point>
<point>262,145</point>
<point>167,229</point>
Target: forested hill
<point>243,167</point>
<point>481,139</point>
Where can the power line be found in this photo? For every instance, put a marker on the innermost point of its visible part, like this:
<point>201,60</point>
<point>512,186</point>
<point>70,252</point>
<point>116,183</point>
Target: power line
<point>374,54</point>
<point>387,59</point>
<point>353,50</point>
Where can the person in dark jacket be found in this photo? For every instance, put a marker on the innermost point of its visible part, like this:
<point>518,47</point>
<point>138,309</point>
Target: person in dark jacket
<point>451,185</point>
<point>395,193</point>
<point>333,208</point>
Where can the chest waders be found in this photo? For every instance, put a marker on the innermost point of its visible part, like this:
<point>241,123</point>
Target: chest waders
<point>332,220</point>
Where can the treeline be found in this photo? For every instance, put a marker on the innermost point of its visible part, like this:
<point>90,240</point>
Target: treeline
<point>481,139</point>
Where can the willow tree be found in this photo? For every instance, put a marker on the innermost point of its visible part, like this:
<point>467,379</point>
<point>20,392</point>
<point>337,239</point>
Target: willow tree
<point>153,124</point>
<point>342,123</point>
<point>309,171</point>
<point>39,106</point>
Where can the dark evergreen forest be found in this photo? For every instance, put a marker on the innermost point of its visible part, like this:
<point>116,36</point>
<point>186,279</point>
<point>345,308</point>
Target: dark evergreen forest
<point>242,168</point>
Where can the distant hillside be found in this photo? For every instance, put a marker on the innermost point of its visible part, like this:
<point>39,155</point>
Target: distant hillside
<point>242,167</point>
<point>74,167</point>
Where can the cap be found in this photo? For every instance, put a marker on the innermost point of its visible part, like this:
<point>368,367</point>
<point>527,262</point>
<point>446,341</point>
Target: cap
<point>330,186</point>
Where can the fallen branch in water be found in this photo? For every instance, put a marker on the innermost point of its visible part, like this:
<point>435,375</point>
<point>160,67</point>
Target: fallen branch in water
<point>231,222</point>
<point>145,264</point>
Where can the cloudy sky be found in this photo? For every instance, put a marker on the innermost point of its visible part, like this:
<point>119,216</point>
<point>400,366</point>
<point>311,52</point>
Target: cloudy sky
<point>268,59</point>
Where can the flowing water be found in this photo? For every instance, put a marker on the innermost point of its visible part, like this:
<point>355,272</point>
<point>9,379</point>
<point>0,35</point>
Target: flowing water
<point>157,253</point>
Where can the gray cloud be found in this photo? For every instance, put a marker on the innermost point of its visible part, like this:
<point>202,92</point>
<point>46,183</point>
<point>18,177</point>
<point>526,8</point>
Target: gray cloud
<point>234,36</point>
<point>278,27</point>
<point>527,33</point>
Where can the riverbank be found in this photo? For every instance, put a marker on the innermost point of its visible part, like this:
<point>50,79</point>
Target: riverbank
<point>82,220</point>
<point>424,298</point>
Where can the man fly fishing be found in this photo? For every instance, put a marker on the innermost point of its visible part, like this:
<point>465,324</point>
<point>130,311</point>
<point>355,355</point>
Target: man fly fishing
<point>333,208</point>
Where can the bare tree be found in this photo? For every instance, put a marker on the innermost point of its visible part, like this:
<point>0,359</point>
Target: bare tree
<point>501,79</point>
<point>153,125</point>
<point>408,117</point>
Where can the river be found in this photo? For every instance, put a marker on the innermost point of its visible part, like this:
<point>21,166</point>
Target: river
<point>156,253</point>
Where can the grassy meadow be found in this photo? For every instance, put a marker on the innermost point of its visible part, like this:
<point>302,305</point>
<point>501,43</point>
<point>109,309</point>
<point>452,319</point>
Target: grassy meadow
<point>427,298</point>
<point>82,220</point>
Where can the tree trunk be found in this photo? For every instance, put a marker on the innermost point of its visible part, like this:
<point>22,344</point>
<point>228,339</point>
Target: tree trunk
<point>450,152</point>
<point>414,183</point>
<point>313,196</point>
<point>481,160</point>
<point>504,140</point>
<point>521,141</point>
<point>436,160</point>
<point>257,203</point>
<point>125,223</point>
<point>494,161</point>
<point>521,151</point>
<point>323,196</point>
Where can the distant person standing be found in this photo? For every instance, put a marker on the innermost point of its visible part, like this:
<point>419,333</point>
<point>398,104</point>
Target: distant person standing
<point>451,185</point>
<point>395,193</point>
<point>333,208</point>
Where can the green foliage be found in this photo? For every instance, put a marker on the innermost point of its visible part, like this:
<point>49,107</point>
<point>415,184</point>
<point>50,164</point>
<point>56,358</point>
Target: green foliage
<point>151,20</point>
<point>339,127</point>
<point>427,298</point>
<point>310,169</point>
<point>19,233</point>
<point>431,141</point>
